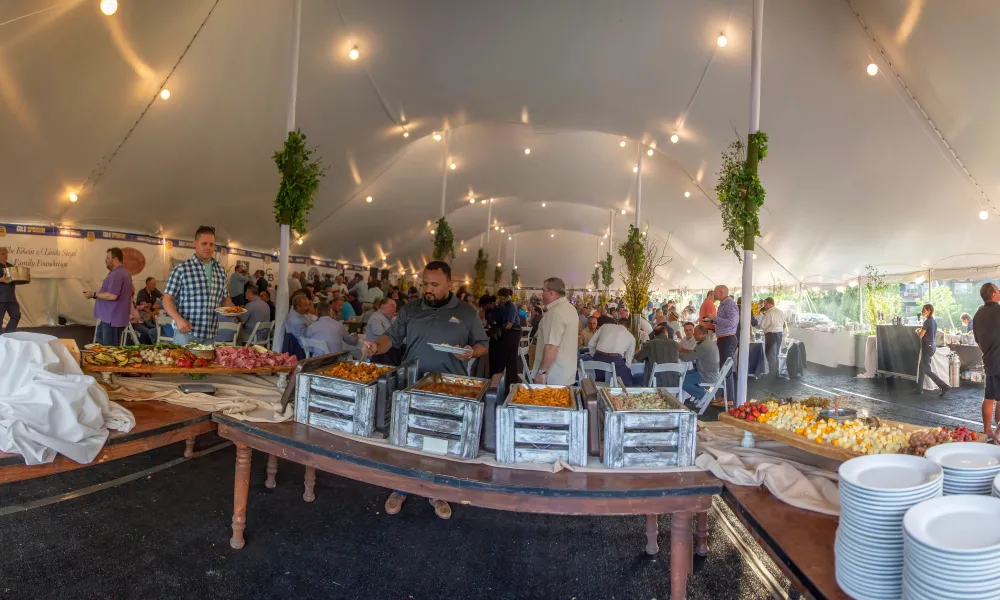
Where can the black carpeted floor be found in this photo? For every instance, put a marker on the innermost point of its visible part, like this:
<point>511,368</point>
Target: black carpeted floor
<point>166,535</point>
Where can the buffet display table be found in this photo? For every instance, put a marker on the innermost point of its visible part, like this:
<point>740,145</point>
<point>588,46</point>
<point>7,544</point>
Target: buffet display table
<point>826,348</point>
<point>680,494</point>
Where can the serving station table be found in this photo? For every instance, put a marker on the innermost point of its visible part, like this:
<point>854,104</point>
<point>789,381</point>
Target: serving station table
<point>680,494</point>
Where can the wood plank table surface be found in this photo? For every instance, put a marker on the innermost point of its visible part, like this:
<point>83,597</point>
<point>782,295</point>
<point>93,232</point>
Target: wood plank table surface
<point>799,541</point>
<point>681,494</point>
<point>156,424</point>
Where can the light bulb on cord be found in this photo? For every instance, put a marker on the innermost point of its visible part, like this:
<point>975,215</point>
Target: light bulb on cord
<point>527,150</point>
<point>543,205</point>
<point>433,231</point>
<point>165,93</point>
<point>383,257</point>
<point>552,235</point>
<point>649,152</point>
<point>437,136</point>
<point>510,237</point>
<point>983,214</point>
<point>368,199</point>
<point>465,249</point>
<point>754,256</point>
<point>502,230</point>
<point>873,69</point>
<point>299,241</point>
<point>496,227</point>
<point>674,138</point>
<point>452,166</point>
<point>622,143</point>
<point>722,41</point>
<point>689,270</point>
<point>109,7</point>
<point>499,264</point>
<point>73,197</point>
<point>635,169</point>
<point>472,200</point>
<point>687,194</point>
<point>623,211</point>
<point>406,134</point>
<point>354,54</point>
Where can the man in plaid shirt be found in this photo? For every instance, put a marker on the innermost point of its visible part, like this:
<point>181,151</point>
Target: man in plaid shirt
<point>195,288</point>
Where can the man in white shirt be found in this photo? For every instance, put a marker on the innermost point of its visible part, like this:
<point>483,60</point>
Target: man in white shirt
<point>374,293</point>
<point>688,342</point>
<point>557,335</point>
<point>294,284</point>
<point>328,330</point>
<point>614,344</point>
<point>338,285</point>
<point>360,287</point>
<point>773,324</point>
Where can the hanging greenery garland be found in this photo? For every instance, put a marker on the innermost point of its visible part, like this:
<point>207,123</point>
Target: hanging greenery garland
<point>515,278</point>
<point>607,273</point>
<point>641,255</point>
<point>300,175</point>
<point>479,282</point>
<point>595,277</point>
<point>740,192</point>
<point>497,278</point>
<point>444,241</point>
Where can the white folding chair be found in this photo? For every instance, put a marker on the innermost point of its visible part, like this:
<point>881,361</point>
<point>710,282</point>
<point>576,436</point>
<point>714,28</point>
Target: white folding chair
<point>226,326</point>
<point>523,353</point>
<point>314,347</point>
<point>711,388</point>
<point>160,336</point>
<point>588,368</point>
<point>270,335</point>
<point>260,333</point>
<point>128,332</point>
<point>679,368</point>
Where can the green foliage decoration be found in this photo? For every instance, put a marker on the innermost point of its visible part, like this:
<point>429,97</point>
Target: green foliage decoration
<point>444,241</point>
<point>740,192</point>
<point>301,172</point>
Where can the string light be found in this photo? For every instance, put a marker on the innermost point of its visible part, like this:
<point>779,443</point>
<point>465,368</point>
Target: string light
<point>73,197</point>
<point>452,166</point>
<point>433,231</point>
<point>299,241</point>
<point>502,230</point>
<point>873,69</point>
<point>491,200</point>
<point>465,249</point>
<point>496,227</point>
<point>622,143</point>
<point>635,169</point>
<point>368,199</point>
<point>623,211</point>
<point>483,201</point>
<point>165,93</point>
<point>687,194</point>
<point>109,7</point>
<point>649,152</point>
<point>499,264</point>
<point>406,133</point>
<point>510,237</point>
<point>689,270</point>
<point>552,235</point>
<point>383,257</point>
<point>437,136</point>
<point>543,205</point>
<point>527,150</point>
<point>722,41</point>
<point>853,283</point>
<point>472,200</point>
<point>674,138</point>
<point>983,214</point>
<point>754,256</point>
<point>354,54</point>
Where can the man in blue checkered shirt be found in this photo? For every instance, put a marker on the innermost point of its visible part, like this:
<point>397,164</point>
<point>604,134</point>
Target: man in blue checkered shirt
<point>195,288</point>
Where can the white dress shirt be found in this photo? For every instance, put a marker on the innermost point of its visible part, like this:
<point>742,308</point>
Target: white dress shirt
<point>613,339</point>
<point>645,329</point>
<point>688,343</point>
<point>559,327</point>
<point>372,295</point>
<point>773,320</point>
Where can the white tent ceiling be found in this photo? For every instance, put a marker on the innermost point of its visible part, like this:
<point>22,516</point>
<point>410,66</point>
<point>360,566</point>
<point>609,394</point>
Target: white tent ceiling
<point>855,174</point>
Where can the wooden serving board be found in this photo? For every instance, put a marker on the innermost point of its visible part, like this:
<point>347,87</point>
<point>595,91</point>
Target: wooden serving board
<point>175,370</point>
<point>800,441</point>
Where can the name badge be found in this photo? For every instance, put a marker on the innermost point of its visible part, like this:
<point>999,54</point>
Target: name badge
<point>435,445</point>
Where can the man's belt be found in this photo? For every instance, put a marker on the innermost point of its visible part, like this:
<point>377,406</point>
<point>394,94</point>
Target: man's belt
<point>598,353</point>
<point>724,336</point>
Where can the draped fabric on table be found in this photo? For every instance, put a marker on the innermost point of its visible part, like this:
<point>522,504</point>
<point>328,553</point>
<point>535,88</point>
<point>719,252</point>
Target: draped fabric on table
<point>47,404</point>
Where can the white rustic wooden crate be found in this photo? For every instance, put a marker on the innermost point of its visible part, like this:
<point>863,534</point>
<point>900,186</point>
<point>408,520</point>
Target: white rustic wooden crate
<point>439,423</point>
<point>542,434</point>
<point>647,438</point>
<point>349,406</point>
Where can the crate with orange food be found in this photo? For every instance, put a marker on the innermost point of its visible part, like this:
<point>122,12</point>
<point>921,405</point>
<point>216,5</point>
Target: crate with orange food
<point>350,396</point>
<point>542,424</point>
<point>443,414</point>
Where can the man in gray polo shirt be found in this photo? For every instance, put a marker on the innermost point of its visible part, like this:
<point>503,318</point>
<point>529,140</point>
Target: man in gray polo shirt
<point>706,358</point>
<point>440,318</point>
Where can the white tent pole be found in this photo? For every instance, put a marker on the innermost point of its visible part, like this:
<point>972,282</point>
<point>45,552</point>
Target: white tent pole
<point>638,185</point>
<point>515,249</point>
<point>281,302</point>
<point>489,220</point>
<point>744,341</point>
<point>444,170</point>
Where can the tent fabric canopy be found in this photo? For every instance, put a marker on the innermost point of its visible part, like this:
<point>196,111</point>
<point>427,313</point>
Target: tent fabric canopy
<point>856,174</point>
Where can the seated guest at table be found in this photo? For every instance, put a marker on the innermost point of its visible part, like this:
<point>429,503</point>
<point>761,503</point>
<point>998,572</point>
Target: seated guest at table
<point>674,322</point>
<point>587,333</point>
<point>927,333</point>
<point>355,303</point>
<point>329,330</point>
<point>142,323</point>
<point>613,344</point>
<point>706,358</point>
<point>348,310</point>
<point>149,294</point>
<point>967,322</point>
<point>374,292</point>
<point>688,342</point>
<point>657,351</point>
<point>265,297</point>
<point>257,312</point>
<point>296,323</point>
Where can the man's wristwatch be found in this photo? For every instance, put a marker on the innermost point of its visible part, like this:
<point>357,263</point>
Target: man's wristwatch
<point>543,372</point>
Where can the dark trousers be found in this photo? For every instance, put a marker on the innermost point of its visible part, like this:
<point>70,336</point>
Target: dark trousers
<point>503,356</point>
<point>622,370</point>
<point>239,300</point>
<point>727,349</point>
<point>108,335</point>
<point>12,310</point>
<point>772,346</point>
<point>924,368</point>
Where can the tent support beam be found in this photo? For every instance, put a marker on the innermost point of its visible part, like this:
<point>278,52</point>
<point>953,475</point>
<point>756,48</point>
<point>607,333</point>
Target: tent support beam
<point>638,185</point>
<point>748,242</point>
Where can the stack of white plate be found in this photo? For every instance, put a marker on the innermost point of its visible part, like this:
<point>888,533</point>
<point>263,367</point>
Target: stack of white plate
<point>996,486</point>
<point>952,549</point>
<point>875,493</point>
<point>969,467</point>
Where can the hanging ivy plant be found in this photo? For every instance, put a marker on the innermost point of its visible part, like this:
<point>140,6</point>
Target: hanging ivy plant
<point>740,192</point>
<point>444,241</point>
<point>497,278</point>
<point>479,282</point>
<point>595,277</point>
<point>607,273</point>
<point>300,175</point>
<point>515,278</point>
<point>641,255</point>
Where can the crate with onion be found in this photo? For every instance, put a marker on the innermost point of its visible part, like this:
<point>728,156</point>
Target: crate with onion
<point>646,427</point>
<point>542,424</point>
<point>341,394</point>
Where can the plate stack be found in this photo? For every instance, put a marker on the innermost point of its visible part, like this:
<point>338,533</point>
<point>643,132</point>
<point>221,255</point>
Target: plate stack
<point>969,467</point>
<point>952,549</point>
<point>875,493</point>
<point>996,486</point>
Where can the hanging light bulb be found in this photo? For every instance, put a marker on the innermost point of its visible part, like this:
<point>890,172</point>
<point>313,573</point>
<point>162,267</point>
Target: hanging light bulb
<point>605,236</point>
<point>491,200</point>
<point>722,41</point>
<point>73,197</point>
<point>754,256</point>
<point>165,93</point>
<point>483,201</point>
<point>406,134</point>
<point>519,285</point>
<point>649,152</point>
<point>465,249</point>
<point>502,230</point>
<point>635,169</point>
<point>602,243</point>
<point>354,54</point>
<point>687,194</point>
<point>499,264</point>
<point>983,214</point>
<point>433,231</point>
<point>368,199</point>
<point>452,166</point>
<point>510,237</point>
<point>873,69</point>
<point>853,283</point>
<point>552,235</point>
<point>437,136</point>
<point>299,241</point>
<point>689,270</point>
<point>527,150</point>
<point>383,257</point>
<point>472,200</point>
<point>623,211</point>
<point>109,7</point>
<point>622,143</point>
<point>674,138</point>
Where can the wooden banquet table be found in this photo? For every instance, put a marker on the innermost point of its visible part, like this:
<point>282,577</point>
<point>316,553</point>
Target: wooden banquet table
<point>680,494</point>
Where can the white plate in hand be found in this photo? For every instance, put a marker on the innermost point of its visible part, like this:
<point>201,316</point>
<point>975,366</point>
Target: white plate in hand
<point>449,349</point>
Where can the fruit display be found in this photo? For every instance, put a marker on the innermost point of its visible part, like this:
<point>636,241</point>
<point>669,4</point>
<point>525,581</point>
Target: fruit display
<point>750,411</point>
<point>920,441</point>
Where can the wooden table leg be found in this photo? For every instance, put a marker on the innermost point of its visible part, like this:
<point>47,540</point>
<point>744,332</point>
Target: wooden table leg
<point>702,548</point>
<point>241,488</point>
<point>681,557</point>
<point>652,530</point>
<point>310,481</point>
<point>272,471</point>
<point>189,448</point>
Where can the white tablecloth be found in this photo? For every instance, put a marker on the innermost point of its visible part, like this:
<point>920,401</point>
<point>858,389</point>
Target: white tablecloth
<point>830,349</point>
<point>939,364</point>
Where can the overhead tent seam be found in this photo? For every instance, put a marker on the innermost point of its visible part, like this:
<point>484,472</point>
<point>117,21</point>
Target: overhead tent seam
<point>378,93</point>
<point>31,14</point>
<point>926,116</point>
<point>704,74</point>
<point>92,179</point>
